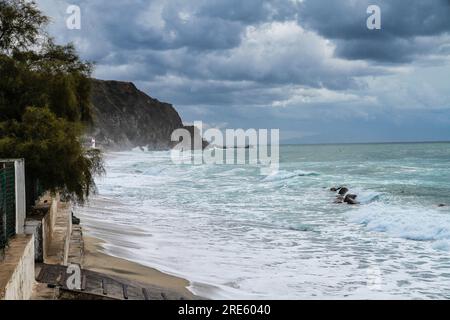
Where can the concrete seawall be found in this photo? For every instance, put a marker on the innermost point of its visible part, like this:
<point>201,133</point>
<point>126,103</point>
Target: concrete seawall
<point>17,269</point>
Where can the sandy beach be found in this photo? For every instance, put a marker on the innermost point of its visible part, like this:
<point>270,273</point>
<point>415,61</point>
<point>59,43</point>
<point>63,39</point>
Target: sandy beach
<point>96,260</point>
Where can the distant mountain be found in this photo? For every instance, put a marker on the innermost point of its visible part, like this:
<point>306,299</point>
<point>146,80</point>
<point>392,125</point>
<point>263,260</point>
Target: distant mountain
<point>125,117</point>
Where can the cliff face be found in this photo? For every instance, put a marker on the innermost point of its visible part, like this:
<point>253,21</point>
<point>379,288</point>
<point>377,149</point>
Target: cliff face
<point>125,117</point>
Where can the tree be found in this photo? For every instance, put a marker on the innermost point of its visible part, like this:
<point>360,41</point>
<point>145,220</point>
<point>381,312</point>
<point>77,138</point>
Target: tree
<point>20,24</point>
<point>54,77</point>
<point>53,153</point>
<point>44,105</point>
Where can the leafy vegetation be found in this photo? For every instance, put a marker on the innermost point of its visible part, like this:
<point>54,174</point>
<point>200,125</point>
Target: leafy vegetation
<point>44,105</point>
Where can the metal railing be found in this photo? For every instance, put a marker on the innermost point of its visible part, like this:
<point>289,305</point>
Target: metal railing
<point>7,203</point>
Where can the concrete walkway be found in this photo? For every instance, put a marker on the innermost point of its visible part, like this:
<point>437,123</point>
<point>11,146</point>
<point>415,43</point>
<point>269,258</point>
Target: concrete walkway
<point>76,246</point>
<point>58,250</point>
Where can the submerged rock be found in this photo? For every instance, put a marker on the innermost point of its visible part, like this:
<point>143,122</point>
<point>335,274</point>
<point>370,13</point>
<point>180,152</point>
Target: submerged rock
<point>343,191</point>
<point>343,196</point>
<point>350,200</point>
<point>339,199</point>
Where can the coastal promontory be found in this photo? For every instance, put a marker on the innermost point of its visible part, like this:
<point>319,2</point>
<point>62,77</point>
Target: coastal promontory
<point>125,117</point>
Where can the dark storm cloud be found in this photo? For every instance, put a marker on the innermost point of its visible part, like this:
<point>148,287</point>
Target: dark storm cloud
<point>302,66</point>
<point>249,11</point>
<point>404,22</point>
<point>195,24</point>
<point>209,40</point>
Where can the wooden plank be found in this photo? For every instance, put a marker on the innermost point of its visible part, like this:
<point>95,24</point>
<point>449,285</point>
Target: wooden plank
<point>41,275</point>
<point>48,275</point>
<point>134,293</point>
<point>125,291</point>
<point>60,279</point>
<point>145,292</point>
<point>83,282</point>
<point>100,285</point>
<point>105,290</point>
<point>93,284</point>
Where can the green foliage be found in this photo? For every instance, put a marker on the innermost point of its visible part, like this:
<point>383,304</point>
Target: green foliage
<point>20,24</point>
<point>44,104</point>
<point>52,151</point>
<point>53,77</point>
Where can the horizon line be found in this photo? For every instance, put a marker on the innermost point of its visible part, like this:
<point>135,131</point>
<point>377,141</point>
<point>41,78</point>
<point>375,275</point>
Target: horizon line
<point>359,143</point>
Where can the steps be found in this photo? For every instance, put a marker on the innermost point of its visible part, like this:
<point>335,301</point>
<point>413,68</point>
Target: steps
<point>76,246</point>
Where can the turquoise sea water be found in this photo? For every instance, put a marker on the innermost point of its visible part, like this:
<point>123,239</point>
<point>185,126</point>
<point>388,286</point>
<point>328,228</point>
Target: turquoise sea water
<point>236,234</point>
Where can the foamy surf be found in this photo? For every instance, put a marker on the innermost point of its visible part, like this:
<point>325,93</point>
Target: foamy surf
<point>408,222</point>
<point>235,234</point>
<point>285,175</point>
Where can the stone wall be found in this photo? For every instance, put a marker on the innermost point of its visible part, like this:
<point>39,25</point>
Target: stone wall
<point>41,224</point>
<point>17,270</point>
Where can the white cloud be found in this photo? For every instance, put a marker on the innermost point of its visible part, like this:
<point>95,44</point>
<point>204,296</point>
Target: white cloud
<point>237,60</point>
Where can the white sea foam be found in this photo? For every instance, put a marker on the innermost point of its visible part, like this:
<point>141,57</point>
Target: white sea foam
<point>366,196</point>
<point>411,223</point>
<point>284,175</point>
<point>235,234</point>
<point>443,245</point>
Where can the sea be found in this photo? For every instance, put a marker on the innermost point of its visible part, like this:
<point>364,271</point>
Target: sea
<point>237,234</point>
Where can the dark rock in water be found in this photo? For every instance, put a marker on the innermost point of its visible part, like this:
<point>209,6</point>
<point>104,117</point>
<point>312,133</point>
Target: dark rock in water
<point>350,200</point>
<point>339,199</point>
<point>442,205</point>
<point>196,140</point>
<point>344,196</point>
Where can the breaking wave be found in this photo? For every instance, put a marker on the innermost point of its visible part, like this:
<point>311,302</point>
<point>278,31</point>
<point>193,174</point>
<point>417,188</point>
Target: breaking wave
<point>286,175</point>
<point>412,223</point>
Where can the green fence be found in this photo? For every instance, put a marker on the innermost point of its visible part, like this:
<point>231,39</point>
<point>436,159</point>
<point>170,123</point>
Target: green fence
<point>7,203</point>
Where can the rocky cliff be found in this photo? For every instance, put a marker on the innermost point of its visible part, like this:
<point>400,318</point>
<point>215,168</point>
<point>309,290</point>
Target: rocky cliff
<point>125,117</point>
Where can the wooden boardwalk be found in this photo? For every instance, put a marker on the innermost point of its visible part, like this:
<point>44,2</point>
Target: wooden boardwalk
<point>97,286</point>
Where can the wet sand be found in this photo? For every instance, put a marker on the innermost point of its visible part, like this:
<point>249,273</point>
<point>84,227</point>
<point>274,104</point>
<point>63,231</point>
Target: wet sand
<point>96,260</point>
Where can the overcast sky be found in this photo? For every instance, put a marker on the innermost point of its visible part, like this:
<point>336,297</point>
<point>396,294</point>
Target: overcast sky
<point>310,68</point>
